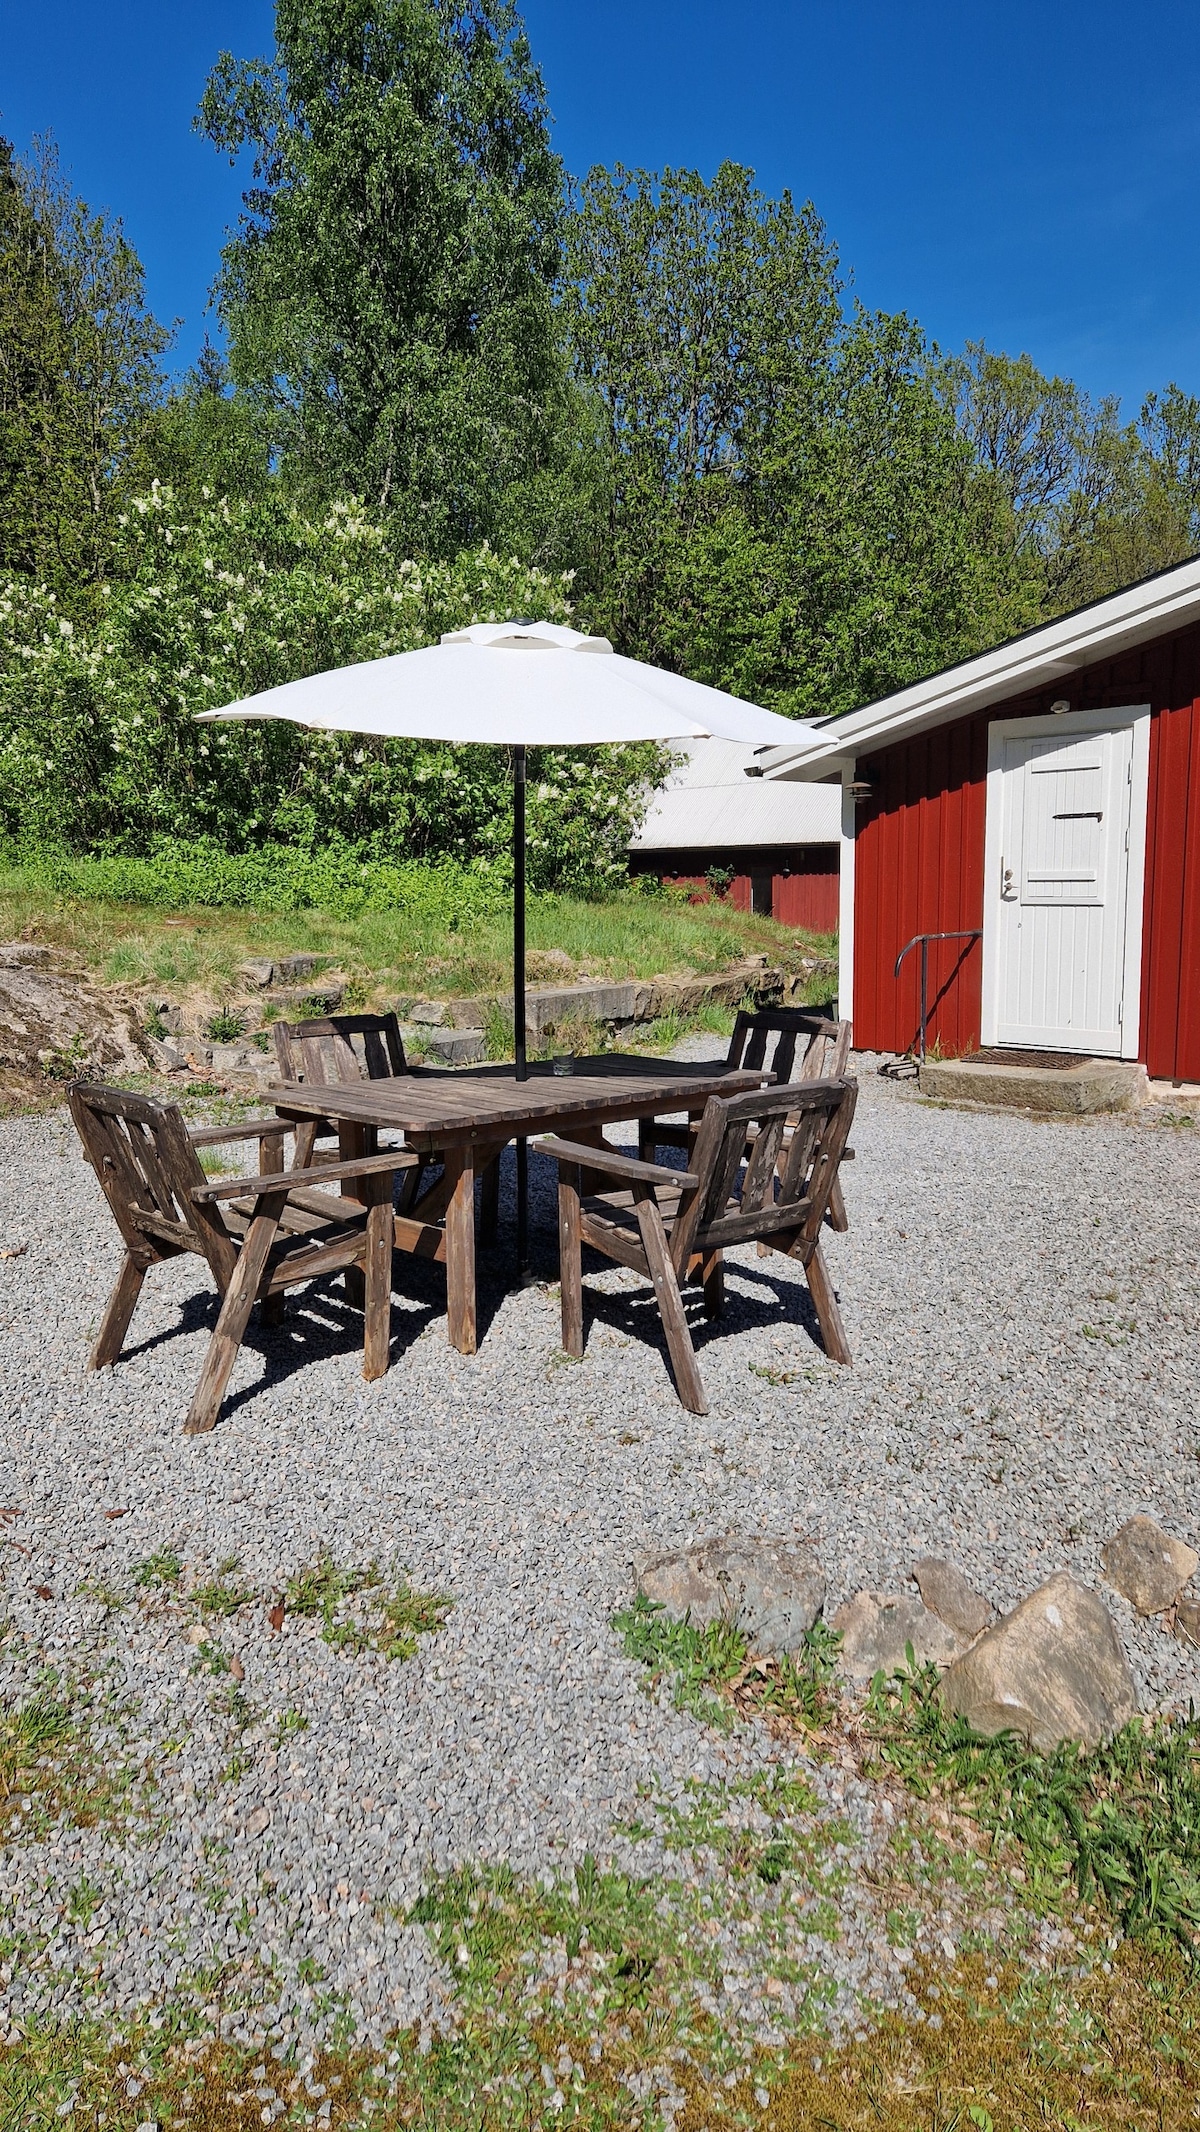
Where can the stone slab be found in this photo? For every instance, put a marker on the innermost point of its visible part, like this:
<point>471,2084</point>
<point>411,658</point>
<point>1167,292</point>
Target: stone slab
<point>452,1047</point>
<point>1092,1085</point>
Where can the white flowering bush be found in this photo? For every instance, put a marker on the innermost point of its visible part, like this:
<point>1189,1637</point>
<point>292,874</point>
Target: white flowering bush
<point>100,751</point>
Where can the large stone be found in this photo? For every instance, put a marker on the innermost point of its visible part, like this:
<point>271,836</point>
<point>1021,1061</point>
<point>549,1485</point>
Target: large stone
<point>295,969</point>
<point>258,971</point>
<point>879,1628</point>
<point>23,955</point>
<point>166,1057</point>
<point>771,1589</point>
<point>454,1047</point>
<point>63,1027</point>
<point>945,1589</point>
<point>1052,1670</point>
<point>428,1011</point>
<point>1147,1566</point>
<point>557,1007</point>
<point>241,1059</point>
<point>323,996</point>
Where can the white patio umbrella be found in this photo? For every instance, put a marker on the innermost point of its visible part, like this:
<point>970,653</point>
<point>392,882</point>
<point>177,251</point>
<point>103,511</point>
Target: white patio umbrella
<point>519,685</point>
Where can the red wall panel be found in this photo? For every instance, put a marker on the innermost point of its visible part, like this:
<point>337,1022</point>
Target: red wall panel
<point>801,880</point>
<point>807,896</point>
<point>919,862</point>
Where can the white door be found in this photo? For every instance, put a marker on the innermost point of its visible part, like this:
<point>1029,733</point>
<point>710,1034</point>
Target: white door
<point>1065,851</point>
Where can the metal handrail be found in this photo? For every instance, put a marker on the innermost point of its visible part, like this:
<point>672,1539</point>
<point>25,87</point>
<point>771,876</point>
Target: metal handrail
<point>922,941</point>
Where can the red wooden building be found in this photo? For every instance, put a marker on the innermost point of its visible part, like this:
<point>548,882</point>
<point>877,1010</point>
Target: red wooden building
<point>1043,798</point>
<point>776,843</point>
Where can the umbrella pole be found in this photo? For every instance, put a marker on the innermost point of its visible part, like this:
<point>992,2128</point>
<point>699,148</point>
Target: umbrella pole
<point>519,1002</point>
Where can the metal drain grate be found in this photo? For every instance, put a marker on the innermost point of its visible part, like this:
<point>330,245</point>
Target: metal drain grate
<point>1040,1061</point>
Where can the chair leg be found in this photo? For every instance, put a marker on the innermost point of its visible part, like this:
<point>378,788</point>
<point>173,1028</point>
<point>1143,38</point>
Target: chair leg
<point>570,1264</point>
<point>378,1283</point>
<point>688,1381</point>
<point>646,1140</point>
<point>829,1317</point>
<point>713,1275</point>
<point>234,1318</point>
<point>270,1159</point>
<point>838,1217</point>
<point>115,1323</point>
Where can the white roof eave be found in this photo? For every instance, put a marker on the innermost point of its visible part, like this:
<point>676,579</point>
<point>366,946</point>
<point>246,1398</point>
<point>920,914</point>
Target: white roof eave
<point>1044,655</point>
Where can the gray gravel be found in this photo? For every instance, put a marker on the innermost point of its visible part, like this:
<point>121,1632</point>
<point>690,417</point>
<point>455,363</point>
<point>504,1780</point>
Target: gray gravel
<point>1021,1298</point>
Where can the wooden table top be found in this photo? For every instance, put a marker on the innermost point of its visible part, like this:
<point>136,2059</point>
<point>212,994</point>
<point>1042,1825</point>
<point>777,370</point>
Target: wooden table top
<point>488,1103</point>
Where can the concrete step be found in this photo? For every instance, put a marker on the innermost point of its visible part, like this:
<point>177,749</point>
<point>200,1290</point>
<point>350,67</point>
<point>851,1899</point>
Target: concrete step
<point>1087,1085</point>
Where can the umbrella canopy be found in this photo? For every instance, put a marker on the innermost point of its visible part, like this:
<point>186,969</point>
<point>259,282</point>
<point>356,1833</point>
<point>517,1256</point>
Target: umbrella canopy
<point>515,684</point>
<point>518,685</point>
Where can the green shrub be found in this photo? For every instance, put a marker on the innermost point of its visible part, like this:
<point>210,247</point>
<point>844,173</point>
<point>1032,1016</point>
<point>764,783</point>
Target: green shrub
<point>340,880</point>
<point>100,750</point>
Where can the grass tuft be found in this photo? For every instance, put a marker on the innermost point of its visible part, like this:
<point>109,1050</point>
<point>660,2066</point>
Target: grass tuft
<point>359,1611</point>
<point>1120,1825</point>
<point>714,1671</point>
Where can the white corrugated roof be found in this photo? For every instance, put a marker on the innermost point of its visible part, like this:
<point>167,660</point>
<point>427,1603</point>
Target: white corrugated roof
<point>1053,652</point>
<point>708,802</point>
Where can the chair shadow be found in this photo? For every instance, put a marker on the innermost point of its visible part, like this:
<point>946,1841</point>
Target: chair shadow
<point>783,1301</point>
<point>318,1323</point>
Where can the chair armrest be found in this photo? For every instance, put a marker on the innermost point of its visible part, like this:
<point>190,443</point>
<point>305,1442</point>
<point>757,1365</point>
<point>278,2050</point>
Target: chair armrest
<point>611,1163</point>
<point>263,1184</point>
<point>251,1129</point>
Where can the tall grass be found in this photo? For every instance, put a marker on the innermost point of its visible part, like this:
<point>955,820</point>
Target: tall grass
<point>623,936</point>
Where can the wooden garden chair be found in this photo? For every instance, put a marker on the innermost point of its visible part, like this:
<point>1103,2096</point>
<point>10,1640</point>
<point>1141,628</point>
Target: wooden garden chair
<point>259,1234</point>
<point>824,1057</point>
<point>670,1224</point>
<point>322,1051</point>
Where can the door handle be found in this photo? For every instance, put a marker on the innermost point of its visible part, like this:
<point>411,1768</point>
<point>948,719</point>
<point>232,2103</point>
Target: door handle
<point>1007,890</point>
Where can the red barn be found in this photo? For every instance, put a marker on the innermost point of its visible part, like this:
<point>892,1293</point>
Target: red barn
<point>774,846</point>
<point>1042,800</point>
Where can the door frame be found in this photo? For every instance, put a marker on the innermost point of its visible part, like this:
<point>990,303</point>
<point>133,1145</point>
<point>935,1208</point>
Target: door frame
<point>1130,716</point>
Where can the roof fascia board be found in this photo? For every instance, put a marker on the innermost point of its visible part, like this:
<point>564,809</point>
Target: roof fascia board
<point>1061,648</point>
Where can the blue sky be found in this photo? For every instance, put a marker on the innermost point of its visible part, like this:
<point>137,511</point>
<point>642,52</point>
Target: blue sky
<point>1023,173</point>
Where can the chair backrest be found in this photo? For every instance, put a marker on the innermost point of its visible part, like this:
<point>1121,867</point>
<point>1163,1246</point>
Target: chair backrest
<point>823,1043</point>
<point>324,1050</point>
<point>148,1168</point>
<point>775,1195</point>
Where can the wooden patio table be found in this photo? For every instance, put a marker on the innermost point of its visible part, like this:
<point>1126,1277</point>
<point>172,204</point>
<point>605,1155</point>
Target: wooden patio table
<point>468,1116</point>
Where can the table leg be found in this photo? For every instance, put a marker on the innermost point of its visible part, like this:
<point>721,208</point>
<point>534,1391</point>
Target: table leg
<point>460,1249</point>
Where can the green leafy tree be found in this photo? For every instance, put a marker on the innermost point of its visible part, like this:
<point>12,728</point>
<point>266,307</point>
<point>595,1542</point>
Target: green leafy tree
<point>388,299</point>
<point>38,474</point>
<point>113,351</point>
<point>785,503</point>
<point>1067,501</point>
<point>204,440</point>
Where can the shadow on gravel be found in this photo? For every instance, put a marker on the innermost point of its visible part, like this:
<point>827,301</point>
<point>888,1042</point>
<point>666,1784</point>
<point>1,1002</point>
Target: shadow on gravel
<point>774,1301</point>
<point>319,1324</point>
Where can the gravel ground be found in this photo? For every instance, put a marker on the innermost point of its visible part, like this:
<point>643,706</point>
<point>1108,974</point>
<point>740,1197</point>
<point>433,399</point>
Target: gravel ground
<point>1021,1298</point>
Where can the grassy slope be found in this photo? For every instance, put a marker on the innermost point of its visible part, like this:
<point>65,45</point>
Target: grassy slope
<point>624,936</point>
